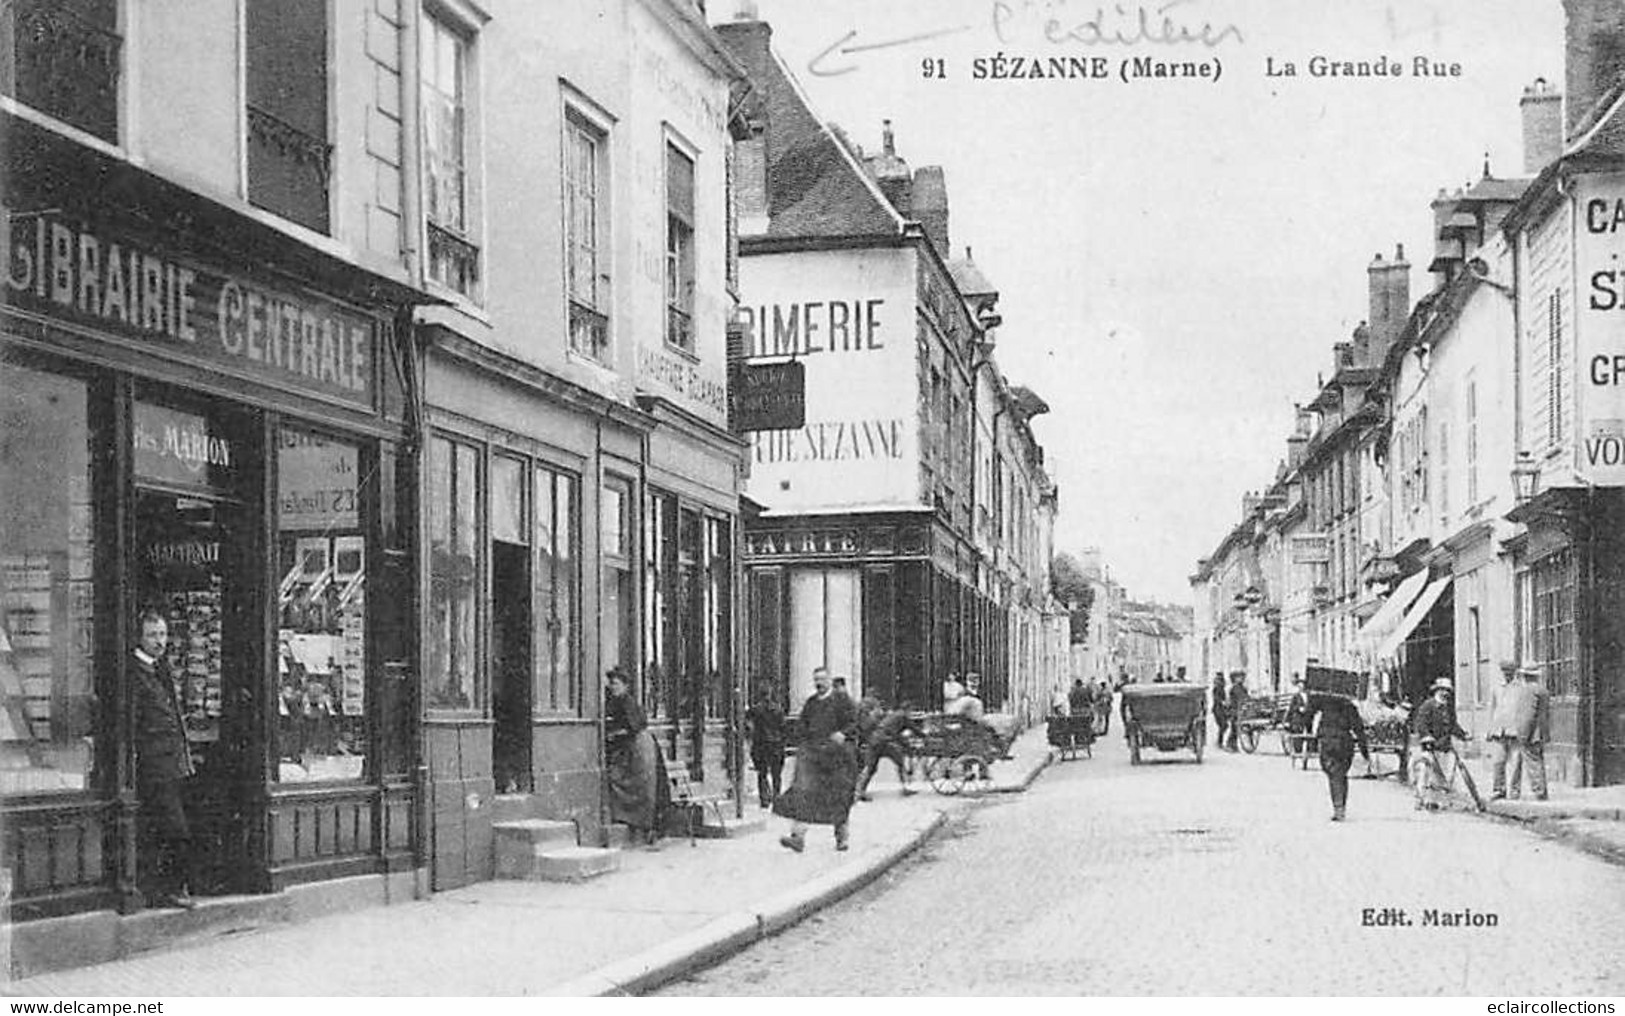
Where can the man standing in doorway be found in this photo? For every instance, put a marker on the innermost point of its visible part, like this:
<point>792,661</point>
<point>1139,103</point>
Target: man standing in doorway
<point>765,722</point>
<point>163,767</point>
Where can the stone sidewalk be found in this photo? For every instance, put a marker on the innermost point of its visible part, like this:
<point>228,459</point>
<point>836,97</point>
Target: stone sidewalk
<point>664,913</point>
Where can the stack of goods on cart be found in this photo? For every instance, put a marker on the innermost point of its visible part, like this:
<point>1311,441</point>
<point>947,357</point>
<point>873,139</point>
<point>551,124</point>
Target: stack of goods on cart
<point>1385,724</point>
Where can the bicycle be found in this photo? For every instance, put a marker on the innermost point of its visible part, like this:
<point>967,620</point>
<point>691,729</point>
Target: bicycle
<point>1428,775</point>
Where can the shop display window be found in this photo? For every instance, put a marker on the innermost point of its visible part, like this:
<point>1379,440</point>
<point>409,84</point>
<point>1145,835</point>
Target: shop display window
<point>558,688</point>
<point>47,673</point>
<point>454,536</point>
<point>618,631</point>
<point>322,659</point>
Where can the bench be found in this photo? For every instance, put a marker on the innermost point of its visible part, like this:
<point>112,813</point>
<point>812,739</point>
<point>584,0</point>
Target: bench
<point>692,801</point>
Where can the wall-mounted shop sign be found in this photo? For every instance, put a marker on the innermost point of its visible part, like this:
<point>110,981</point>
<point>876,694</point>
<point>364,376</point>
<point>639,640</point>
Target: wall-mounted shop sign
<point>770,396</point>
<point>838,541</point>
<point>173,447</point>
<point>89,276</point>
<point>318,482</point>
<point>1600,332</point>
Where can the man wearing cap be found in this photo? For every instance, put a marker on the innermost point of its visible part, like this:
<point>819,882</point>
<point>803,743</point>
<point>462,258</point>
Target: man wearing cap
<point>1338,727</point>
<point>1518,721</point>
<point>1436,725</point>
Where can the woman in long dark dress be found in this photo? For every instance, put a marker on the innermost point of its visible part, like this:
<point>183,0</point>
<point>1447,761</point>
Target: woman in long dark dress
<point>826,766</point>
<point>636,766</point>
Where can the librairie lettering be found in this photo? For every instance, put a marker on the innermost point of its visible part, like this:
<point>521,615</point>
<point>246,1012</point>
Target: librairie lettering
<point>836,441</point>
<point>71,270</point>
<point>815,326</point>
<point>828,542</point>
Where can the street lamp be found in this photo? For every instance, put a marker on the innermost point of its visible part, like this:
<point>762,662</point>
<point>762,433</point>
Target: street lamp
<point>1525,478</point>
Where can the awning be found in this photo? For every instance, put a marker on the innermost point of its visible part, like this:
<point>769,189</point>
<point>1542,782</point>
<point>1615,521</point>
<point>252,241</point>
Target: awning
<point>1393,608</point>
<point>1413,617</point>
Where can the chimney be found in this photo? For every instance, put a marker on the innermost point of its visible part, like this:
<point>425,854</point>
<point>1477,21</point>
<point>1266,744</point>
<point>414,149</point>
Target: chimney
<point>930,207</point>
<point>1342,356</point>
<point>1298,440</point>
<point>1542,109</point>
<point>892,174</point>
<point>1594,53</point>
<point>1390,287</point>
<point>1362,345</point>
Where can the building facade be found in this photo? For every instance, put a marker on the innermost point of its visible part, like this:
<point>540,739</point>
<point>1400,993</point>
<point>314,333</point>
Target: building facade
<point>581,486</point>
<point>904,524</point>
<point>207,353</point>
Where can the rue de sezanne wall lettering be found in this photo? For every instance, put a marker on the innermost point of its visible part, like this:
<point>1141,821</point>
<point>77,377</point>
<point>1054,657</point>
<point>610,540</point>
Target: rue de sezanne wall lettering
<point>833,441</point>
<point>70,270</point>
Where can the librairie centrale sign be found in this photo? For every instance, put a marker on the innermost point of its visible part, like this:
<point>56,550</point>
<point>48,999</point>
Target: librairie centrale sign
<point>87,275</point>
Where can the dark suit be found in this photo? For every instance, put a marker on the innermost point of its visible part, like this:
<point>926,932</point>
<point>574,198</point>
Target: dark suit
<point>766,723</point>
<point>1341,729</point>
<point>163,775</point>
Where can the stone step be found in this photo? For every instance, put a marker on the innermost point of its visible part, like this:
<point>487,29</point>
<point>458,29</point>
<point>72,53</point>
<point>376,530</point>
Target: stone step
<point>731,827</point>
<point>569,864</point>
<point>513,807</point>
<point>517,843</point>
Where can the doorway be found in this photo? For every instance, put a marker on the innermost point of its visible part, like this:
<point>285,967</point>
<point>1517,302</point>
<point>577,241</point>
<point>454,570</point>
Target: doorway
<point>510,668</point>
<point>192,553</point>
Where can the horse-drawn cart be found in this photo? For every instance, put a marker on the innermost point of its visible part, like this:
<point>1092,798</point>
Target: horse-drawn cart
<point>957,752</point>
<point>1071,735</point>
<point>1166,716</point>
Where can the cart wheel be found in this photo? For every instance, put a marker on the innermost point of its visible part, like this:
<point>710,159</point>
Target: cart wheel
<point>972,771</point>
<point>940,772</point>
<point>1286,744</point>
<point>1249,740</point>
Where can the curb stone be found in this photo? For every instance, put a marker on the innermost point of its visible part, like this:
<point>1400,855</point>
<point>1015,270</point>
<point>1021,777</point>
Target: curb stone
<point>733,933</point>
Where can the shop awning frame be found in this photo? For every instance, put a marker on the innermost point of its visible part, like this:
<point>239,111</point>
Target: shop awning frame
<point>1393,608</point>
<point>1413,617</point>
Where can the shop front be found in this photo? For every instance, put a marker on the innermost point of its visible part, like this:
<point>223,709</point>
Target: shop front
<point>689,546</point>
<point>206,419</point>
<point>880,599</point>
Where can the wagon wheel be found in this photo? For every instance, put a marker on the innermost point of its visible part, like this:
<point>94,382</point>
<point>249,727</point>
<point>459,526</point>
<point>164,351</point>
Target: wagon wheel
<point>940,772</point>
<point>1286,743</point>
<point>1249,739</point>
<point>973,773</point>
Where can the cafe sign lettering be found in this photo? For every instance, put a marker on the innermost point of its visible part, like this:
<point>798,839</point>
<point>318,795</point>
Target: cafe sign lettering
<point>69,271</point>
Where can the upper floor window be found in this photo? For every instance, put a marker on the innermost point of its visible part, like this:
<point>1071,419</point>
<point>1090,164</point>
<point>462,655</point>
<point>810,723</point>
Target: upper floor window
<point>62,57</point>
<point>679,248</point>
<point>454,258</point>
<point>586,263</point>
<point>289,157</point>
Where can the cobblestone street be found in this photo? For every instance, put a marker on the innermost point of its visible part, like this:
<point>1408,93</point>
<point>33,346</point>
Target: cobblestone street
<point>1223,878</point>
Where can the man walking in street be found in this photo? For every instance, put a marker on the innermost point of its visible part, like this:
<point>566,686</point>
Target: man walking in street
<point>1235,704</point>
<point>765,722</point>
<point>1338,727</point>
<point>163,768</point>
<point>1219,713</point>
<point>882,735</point>
<point>1518,720</point>
<point>826,771</point>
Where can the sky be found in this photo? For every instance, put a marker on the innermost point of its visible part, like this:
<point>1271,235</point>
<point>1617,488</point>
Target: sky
<point>1176,257</point>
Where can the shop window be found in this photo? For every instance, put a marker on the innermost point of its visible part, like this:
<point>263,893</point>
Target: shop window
<point>826,629</point>
<point>289,156</point>
<point>62,57</point>
<point>717,611</point>
<point>48,726</point>
<point>454,536</point>
<point>558,583</point>
<point>659,524</point>
<point>618,634</point>
<point>322,652</point>
<point>1549,591</point>
<point>679,249</point>
<point>454,258</point>
<point>586,263</point>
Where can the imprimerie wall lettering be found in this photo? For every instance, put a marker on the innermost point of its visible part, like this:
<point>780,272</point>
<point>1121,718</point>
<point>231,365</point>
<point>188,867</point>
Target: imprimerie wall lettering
<point>817,328</point>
